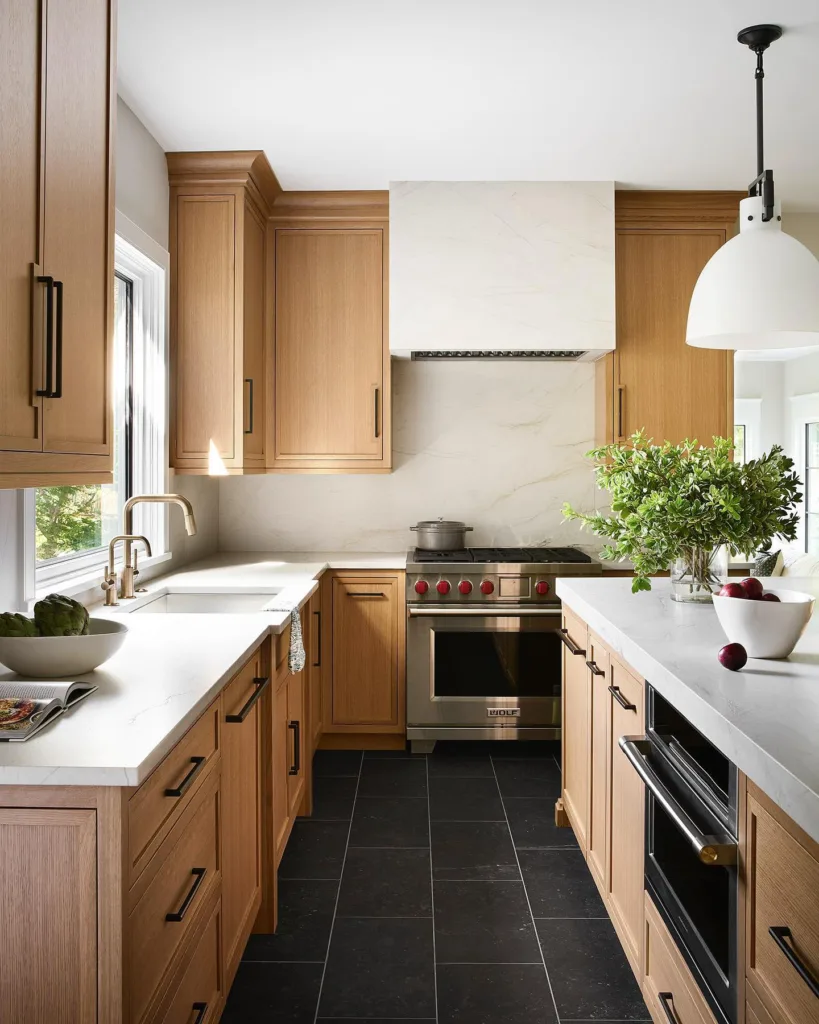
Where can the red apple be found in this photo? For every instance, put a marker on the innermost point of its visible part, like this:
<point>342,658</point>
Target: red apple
<point>753,588</point>
<point>769,596</point>
<point>733,657</point>
<point>732,590</point>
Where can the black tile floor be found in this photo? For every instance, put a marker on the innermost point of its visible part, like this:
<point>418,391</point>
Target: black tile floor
<point>436,888</point>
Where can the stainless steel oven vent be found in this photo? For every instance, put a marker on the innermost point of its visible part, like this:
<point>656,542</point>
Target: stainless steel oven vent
<point>553,356</point>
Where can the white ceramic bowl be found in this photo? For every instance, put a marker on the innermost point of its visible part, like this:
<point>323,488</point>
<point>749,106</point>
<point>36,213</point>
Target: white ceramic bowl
<point>766,629</point>
<point>46,657</point>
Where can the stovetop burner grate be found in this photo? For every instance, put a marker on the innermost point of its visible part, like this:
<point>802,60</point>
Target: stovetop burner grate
<point>501,555</point>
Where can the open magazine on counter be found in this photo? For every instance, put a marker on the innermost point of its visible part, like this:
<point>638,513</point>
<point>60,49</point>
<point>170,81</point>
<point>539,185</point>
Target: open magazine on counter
<point>27,707</point>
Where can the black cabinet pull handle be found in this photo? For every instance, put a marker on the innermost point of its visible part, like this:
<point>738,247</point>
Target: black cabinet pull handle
<point>595,669</point>
<point>201,1010</point>
<point>621,700</point>
<point>317,662</point>
<point>779,934</point>
<point>667,1003</point>
<point>198,764</point>
<point>198,878</point>
<point>249,380</point>
<point>49,358</point>
<point>296,727</point>
<point>620,391</point>
<point>58,390</point>
<point>563,634</point>
<point>376,430</point>
<point>366,593</point>
<point>260,684</point>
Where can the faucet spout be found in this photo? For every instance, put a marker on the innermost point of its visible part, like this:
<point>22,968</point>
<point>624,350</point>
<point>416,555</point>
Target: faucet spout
<point>165,499</point>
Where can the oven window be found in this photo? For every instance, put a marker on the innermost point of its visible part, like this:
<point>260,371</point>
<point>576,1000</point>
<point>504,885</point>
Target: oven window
<point>703,892</point>
<point>496,663</point>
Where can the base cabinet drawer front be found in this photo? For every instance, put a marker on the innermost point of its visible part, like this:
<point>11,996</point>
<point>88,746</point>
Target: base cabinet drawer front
<point>597,845</point>
<point>669,989</point>
<point>576,707</point>
<point>169,789</point>
<point>169,903</point>
<point>782,938</point>
<point>626,814</point>
<point>48,917</point>
<point>197,993</point>
<point>755,1011</point>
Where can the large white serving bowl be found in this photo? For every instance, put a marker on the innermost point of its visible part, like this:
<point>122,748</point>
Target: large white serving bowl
<point>46,657</point>
<point>766,629</point>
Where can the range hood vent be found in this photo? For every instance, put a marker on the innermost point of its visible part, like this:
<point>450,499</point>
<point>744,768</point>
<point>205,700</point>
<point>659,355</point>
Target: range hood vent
<point>553,356</point>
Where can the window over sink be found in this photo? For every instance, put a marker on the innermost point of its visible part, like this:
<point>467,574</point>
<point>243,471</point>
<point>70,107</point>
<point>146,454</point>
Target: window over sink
<point>68,529</point>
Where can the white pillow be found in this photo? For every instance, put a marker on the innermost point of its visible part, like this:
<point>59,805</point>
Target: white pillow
<point>802,565</point>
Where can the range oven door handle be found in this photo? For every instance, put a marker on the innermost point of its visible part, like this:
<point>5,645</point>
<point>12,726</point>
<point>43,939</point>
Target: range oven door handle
<point>711,850</point>
<point>493,612</point>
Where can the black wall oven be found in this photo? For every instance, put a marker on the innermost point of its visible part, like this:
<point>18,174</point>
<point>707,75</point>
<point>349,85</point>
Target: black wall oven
<point>691,846</point>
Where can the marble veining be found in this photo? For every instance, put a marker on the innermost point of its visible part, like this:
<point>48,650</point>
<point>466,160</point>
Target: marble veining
<point>765,718</point>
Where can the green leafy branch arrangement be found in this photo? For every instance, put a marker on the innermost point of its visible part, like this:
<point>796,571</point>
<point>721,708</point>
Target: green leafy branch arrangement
<point>671,499</point>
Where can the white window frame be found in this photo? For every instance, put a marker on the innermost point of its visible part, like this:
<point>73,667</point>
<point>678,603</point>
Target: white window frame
<point>147,265</point>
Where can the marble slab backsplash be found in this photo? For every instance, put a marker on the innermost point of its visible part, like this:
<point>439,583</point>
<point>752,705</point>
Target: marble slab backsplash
<point>499,445</point>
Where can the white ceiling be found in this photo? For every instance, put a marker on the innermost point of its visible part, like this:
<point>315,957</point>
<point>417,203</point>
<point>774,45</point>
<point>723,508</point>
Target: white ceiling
<point>347,94</point>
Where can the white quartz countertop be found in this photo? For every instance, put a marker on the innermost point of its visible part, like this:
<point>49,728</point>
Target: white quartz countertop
<point>765,718</point>
<point>169,669</point>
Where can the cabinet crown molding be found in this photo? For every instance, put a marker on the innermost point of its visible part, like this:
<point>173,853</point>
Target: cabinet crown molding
<point>225,167</point>
<point>641,209</point>
<point>309,207</point>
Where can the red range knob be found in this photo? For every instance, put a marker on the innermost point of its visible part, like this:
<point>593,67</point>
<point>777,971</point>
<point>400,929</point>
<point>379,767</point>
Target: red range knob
<point>541,588</point>
<point>487,586</point>
<point>443,587</point>
<point>465,587</point>
<point>421,587</point>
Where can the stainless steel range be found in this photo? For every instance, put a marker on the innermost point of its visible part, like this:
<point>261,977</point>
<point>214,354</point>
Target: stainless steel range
<point>484,641</point>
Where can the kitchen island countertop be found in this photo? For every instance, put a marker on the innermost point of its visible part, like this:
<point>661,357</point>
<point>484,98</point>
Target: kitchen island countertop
<point>765,718</point>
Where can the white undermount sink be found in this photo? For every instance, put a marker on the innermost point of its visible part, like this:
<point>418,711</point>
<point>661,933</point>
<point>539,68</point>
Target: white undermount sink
<point>204,604</point>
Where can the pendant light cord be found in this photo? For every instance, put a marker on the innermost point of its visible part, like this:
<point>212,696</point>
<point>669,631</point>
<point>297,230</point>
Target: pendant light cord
<point>759,77</point>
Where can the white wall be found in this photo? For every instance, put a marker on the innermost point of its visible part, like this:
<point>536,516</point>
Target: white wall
<point>760,383</point>
<point>497,444</point>
<point>142,195</point>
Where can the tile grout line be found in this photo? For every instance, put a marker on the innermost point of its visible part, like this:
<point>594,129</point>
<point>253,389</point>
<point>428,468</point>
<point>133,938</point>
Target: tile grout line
<point>526,893</point>
<point>338,893</point>
<point>432,897</point>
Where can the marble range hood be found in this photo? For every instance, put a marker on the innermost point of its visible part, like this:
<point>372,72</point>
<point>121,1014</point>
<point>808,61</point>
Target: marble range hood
<point>501,269</point>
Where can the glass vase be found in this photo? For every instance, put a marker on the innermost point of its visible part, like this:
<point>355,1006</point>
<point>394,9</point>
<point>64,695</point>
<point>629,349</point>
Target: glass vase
<point>699,573</point>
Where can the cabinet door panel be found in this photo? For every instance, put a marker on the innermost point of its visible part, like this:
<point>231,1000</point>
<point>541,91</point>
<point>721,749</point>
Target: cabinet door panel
<point>366,671</point>
<point>281,765</point>
<point>48,970</point>
<point>241,815</point>
<point>576,707</point>
<point>598,744</point>
<point>329,344</point>
<point>672,390</point>
<point>254,314</point>
<point>20,174</point>
<point>297,727</point>
<point>78,241</point>
<point>204,330</point>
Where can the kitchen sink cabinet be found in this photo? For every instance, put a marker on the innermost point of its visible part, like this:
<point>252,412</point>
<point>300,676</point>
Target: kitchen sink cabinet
<point>364,677</point>
<point>576,724</point>
<point>219,205</point>
<point>57,242</point>
<point>653,380</point>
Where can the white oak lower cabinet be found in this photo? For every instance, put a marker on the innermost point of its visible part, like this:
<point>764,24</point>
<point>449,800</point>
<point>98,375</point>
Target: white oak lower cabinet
<point>603,800</point>
<point>134,905</point>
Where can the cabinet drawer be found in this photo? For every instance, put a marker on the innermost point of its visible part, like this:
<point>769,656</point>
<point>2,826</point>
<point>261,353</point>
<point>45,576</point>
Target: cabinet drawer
<point>170,901</point>
<point>155,807</point>
<point>783,880</point>
<point>198,990</point>
<point>669,990</point>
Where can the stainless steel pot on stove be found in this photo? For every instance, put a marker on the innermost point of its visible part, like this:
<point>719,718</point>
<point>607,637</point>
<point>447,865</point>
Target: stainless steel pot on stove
<point>440,535</point>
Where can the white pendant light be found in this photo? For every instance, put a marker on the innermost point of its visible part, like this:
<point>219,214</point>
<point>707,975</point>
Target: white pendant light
<point>761,289</point>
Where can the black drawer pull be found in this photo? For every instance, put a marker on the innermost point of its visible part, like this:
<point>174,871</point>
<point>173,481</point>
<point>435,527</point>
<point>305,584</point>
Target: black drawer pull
<point>201,1010</point>
<point>58,390</point>
<point>261,685</point>
<point>46,392</point>
<point>249,380</point>
<point>621,700</point>
<point>199,877</point>
<point>779,934</point>
<point>317,662</point>
<point>296,727</point>
<point>667,1003</point>
<point>595,669</point>
<point>366,593</point>
<point>567,640</point>
<point>185,784</point>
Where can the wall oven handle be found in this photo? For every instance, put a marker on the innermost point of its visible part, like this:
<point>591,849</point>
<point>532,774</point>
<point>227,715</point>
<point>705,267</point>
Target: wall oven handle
<point>667,1003</point>
<point>710,849</point>
<point>568,642</point>
<point>493,612</point>
<point>779,934</point>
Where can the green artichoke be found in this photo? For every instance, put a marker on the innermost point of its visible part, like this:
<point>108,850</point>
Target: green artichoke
<point>14,624</point>
<point>56,615</point>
